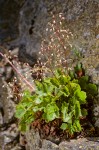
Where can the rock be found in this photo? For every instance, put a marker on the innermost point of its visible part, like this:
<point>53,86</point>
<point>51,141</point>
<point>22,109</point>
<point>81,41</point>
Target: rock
<point>34,142</point>
<point>9,137</point>
<point>31,17</point>
<point>10,134</point>
<point>1,119</point>
<point>26,57</point>
<point>96,116</point>
<point>6,103</point>
<point>17,147</point>
<point>38,143</point>
<point>49,145</point>
<point>9,14</point>
<point>13,147</point>
<point>31,28</point>
<point>80,144</point>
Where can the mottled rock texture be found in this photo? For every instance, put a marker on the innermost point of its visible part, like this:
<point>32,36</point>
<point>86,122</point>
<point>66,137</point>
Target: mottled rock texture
<point>9,133</point>
<point>81,18</point>
<point>35,142</point>
<point>23,23</point>
<point>9,15</point>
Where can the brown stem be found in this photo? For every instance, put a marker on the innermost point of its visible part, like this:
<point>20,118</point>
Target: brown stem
<point>23,78</point>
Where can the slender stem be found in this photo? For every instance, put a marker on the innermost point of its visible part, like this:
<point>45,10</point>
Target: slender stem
<point>23,78</point>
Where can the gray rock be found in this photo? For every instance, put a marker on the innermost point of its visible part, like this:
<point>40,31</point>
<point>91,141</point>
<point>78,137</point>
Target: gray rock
<point>1,119</point>
<point>11,133</point>
<point>12,147</point>
<point>6,103</point>
<point>31,28</point>
<point>9,12</point>
<point>96,116</point>
<point>38,143</point>
<point>17,147</point>
<point>34,142</point>
<point>80,144</point>
<point>31,18</point>
<point>48,145</point>
<point>8,137</point>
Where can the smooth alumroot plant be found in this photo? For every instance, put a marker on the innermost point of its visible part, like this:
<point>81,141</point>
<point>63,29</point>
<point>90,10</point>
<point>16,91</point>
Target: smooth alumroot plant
<point>59,97</point>
<point>62,97</point>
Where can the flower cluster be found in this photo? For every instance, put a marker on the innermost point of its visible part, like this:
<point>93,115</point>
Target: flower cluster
<point>56,46</point>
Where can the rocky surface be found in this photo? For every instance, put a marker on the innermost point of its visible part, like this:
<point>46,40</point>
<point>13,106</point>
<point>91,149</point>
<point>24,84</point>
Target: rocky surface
<point>9,16</point>
<point>8,129</point>
<point>10,85</point>
<point>43,144</point>
<point>23,24</point>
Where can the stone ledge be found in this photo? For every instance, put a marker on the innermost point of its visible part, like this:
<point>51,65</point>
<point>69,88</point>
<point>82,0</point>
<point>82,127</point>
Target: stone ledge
<point>80,144</point>
<point>34,142</point>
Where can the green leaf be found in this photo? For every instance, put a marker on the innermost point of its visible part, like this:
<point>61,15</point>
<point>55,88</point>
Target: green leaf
<point>45,87</point>
<point>20,111</point>
<point>72,100</point>
<point>64,109</point>
<point>55,82</point>
<point>77,53</point>
<point>77,126</point>
<point>50,89</point>
<point>58,72</point>
<point>85,78</point>
<point>51,111</point>
<point>27,94</point>
<point>92,89</point>
<point>58,95</point>
<point>83,81</point>
<point>50,116</point>
<point>63,79</point>
<point>65,114</point>
<point>71,129</point>
<point>64,126</point>
<point>77,110</point>
<point>39,85</point>
<point>78,67</point>
<point>84,112</point>
<point>65,91</point>
<point>30,119</point>
<point>81,96</point>
<point>38,100</point>
<point>23,127</point>
<point>37,108</point>
<point>41,94</point>
<point>74,86</point>
<point>72,74</point>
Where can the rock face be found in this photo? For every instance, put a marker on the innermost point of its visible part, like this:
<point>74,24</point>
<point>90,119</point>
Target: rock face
<point>9,15</point>
<point>32,25</point>
<point>43,144</point>
<point>81,18</point>
<point>32,17</point>
<point>25,22</point>
<point>9,134</point>
<point>8,129</point>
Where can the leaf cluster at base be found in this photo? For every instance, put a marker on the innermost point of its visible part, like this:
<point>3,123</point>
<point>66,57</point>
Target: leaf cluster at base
<point>59,97</point>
